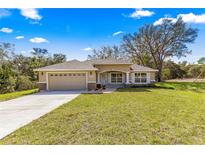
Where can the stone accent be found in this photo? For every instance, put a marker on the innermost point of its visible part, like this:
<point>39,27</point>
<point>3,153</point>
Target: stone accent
<point>91,86</point>
<point>41,86</point>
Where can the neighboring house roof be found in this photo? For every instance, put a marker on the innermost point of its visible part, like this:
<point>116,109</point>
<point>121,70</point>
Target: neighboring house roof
<point>109,61</point>
<point>136,67</point>
<point>88,65</point>
<point>69,65</point>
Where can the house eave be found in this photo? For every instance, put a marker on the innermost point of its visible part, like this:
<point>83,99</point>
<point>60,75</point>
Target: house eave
<point>58,70</point>
<point>144,71</point>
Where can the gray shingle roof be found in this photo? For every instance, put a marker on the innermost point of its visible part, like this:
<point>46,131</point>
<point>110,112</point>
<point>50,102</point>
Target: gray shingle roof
<point>88,65</point>
<point>69,65</point>
<point>108,61</point>
<point>136,67</point>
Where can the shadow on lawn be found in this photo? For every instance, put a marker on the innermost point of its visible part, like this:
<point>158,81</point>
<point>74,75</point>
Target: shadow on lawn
<point>133,90</point>
<point>148,88</point>
<point>58,92</point>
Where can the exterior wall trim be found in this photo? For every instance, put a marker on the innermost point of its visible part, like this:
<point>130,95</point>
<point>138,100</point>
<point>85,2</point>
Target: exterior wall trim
<point>91,82</point>
<point>58,70</point>
<point>112,71</point>
<point>42,82</point>
<point>143,71</point>
<point>47,81</point>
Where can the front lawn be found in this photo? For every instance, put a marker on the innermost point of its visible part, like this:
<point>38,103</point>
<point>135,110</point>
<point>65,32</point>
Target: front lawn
<point>193,86</point>
<point>8,96</point>
<point>128,116</point>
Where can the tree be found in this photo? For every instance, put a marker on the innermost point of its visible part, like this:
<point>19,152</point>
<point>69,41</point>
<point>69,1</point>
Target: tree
<point>40,58</point>
<point>38,52</point>
<point>59,58</point>
<point>106,52</point>
<point>7,81</point>
<point>175,70</point>
<point>201,60</point>
<point>160,42</point>
<point>5,50</point>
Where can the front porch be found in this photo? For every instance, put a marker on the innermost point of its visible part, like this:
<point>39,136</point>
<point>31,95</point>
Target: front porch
<point>119,78</point>
<point>112,78</point>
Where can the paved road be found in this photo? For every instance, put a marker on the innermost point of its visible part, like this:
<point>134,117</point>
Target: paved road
<point>21,111</point>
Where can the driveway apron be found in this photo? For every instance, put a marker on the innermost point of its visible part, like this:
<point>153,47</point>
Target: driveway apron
<point>18,112</point>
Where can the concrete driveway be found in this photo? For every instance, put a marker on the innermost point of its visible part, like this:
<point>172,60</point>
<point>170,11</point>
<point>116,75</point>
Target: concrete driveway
<point>21,111</point>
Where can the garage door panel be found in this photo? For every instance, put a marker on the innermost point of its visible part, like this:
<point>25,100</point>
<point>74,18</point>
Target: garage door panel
<point>67,81</point>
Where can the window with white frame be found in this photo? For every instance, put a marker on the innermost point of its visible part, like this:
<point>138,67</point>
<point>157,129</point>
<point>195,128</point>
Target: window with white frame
<point>140,77</point>
<point>116,77</point>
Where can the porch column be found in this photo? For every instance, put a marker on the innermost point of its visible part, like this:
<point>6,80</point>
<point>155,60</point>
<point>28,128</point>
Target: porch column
<point>98,78</point>
<point>127,78</point>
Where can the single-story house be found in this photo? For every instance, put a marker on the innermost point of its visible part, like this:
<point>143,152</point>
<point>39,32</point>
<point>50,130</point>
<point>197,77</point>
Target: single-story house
<point>74,74</point>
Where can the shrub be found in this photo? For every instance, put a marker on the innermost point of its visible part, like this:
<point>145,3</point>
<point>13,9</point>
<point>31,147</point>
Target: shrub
<point>7,82</point>
<point>24,83</point>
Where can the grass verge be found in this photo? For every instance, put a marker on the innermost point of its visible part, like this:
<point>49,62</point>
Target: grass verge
<point>8,96</point>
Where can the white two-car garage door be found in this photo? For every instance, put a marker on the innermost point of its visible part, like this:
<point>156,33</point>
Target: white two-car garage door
<point>66,81</point>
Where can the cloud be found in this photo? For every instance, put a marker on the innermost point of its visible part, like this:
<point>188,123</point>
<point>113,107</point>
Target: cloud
<point>4,13</point>
<point>23,52</point>
<point>141,13</point>
<point>6,30</point>
<point>19,37</point>
<point>31,13</point>
<point>117,33</point>
<point>159,22</point>
<point>192,18</point>
<point>38,40</point>
<point>88,49</point>
<point>188,18</point>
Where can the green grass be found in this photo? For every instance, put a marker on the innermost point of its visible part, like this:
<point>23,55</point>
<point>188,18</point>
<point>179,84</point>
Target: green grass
<point>128,116</point>
<point>193,86</point>
<point>8,96</point>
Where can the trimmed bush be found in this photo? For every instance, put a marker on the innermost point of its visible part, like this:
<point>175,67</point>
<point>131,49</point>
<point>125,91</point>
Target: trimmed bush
<point>24,83</point>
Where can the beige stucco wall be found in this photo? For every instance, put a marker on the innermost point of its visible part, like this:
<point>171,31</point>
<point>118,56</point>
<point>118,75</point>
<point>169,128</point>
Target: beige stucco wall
<point>152,76</point>
<point>91,76</point>
<point>123,68</point>
<point>42,76</point>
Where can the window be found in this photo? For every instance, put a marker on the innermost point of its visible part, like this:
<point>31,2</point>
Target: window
<point>51,74</point>
<point>140,77</point>
<point>91,73</point>
<point>56,74</point>
<point>116,77</point>
<point>42,73</point>
<point>60,74</point>
<point>65,74</point>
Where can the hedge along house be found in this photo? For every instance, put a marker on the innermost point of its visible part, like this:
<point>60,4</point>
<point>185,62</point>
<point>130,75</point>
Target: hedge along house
<point>81,75</point>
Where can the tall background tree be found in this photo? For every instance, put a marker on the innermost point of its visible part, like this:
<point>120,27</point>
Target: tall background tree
<point>159,42</point>
<point>201,60</point>
<point>5,50</point>
<point>107,52</point>
<point>59,58</point>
